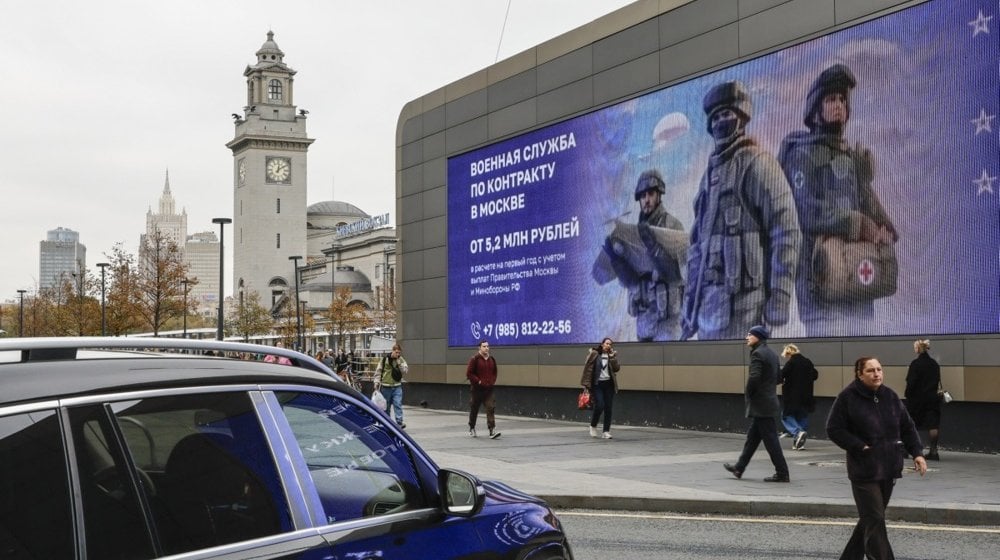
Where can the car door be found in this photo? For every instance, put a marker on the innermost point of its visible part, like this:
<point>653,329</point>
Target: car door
<point>374,494</point>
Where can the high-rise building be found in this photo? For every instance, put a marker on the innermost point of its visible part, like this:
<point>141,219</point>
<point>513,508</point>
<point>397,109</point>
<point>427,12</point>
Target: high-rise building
<point>171,225</point>
<point>201,253</point>
<point>61,258</point>
<point>269,179</point>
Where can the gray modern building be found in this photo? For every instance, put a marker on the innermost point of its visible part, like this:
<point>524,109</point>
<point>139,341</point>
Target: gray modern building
<point>61,258</point>
<point>515,193</point>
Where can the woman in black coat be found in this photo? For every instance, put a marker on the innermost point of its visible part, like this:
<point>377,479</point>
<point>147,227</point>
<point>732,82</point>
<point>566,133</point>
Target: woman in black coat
<point>922,401</point>
<point>797,378</point>
<point>868,420</point>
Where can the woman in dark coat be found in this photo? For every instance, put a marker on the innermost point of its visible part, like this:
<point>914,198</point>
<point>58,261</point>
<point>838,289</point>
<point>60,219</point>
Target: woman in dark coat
<point>797,378</point>
<point>868,420</point>
<point>922,401</point>
<point>600,377</point>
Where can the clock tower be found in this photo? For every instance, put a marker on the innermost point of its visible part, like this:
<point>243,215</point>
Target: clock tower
<point>269,179</point>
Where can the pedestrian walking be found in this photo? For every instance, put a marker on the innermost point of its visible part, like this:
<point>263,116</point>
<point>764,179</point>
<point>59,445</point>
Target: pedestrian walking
<point>482,375</point>
<point>923,379</point>
<point>600,377</point>
<point>797,378</point>
<point>761,395</point>
<point>869,422</point>
<point>389,381</point>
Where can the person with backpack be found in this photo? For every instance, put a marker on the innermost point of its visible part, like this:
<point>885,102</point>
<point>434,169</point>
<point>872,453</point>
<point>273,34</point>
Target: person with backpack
<point>389,381</point>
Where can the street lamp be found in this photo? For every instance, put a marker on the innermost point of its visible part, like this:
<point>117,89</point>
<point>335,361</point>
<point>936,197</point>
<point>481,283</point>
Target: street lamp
<point>298,317</point>
<point>222,238</point>
<point>104,324</point>
<point>20,321</point>
<point>185,282</point>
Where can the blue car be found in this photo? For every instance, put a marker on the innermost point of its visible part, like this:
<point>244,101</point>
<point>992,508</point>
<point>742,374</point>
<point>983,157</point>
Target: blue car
<point>152,448</point>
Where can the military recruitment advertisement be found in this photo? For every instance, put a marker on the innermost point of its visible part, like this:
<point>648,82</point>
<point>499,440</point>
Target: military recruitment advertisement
<point>845,186</point>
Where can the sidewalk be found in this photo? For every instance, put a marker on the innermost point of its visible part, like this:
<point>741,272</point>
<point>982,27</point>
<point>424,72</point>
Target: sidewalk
<point>658,469</point>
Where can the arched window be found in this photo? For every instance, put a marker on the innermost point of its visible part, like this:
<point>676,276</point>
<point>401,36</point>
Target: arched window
<point>274,90</point>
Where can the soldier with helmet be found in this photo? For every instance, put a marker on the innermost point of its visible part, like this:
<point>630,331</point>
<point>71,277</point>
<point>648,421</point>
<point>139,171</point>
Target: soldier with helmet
<point>655,299</point>
<point>745,238</point>
<point>832,186</point>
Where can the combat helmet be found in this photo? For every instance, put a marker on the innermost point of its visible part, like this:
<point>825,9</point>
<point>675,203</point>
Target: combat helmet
<point>837,78</point>
<point>649,180</point>
<point>732,95</point>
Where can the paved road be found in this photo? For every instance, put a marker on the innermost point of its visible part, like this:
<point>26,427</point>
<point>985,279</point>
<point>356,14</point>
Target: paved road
<point>658,469</point>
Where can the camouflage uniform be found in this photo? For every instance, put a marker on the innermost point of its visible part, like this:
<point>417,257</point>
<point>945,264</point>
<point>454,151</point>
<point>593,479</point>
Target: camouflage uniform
<point>832,187</point>
<point>655,300</point>
<point>745,238</point>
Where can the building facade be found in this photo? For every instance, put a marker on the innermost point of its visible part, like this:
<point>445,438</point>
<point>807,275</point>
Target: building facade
<point>61,258</point>
<point>171,225</point>
<point>269,179</point>
<point>618,62</point>
<point>201,253</point>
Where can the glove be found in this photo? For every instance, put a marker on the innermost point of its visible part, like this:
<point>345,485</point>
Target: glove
<point>776,309</point>
<point>869,230</point>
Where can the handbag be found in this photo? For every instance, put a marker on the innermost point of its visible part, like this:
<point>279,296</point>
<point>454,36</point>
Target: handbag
<point>583,402</point>
<point>944,395</point>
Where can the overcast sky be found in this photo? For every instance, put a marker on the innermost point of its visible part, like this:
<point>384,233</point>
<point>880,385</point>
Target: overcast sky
<point>102,97</point>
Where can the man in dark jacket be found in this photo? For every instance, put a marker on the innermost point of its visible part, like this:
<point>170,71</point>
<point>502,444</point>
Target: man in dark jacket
<point>762,407</point>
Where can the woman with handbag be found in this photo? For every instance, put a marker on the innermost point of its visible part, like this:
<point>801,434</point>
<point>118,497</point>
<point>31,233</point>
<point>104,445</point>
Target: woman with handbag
<point>923,379</point>
<point>600,379</point>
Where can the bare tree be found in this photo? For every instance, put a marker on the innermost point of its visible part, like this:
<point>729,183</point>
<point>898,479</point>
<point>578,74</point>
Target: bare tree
<point>159,289</point>
<point>121,293</point>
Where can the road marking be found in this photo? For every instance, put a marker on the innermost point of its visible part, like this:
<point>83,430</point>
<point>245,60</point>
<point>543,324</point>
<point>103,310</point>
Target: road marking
<point>776,521</point>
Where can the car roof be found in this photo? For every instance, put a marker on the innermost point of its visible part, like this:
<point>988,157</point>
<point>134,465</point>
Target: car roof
<point>37,369</point>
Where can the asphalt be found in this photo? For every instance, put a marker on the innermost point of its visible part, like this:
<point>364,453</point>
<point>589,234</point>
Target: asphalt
<point>669,470</point>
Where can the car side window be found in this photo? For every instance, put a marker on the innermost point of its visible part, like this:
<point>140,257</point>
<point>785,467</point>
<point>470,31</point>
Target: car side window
<point>205,458</point>
<point>35,513</point>
<point>359,467</point>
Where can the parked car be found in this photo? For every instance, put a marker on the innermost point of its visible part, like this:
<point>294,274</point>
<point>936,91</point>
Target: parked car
<point>117,448</point>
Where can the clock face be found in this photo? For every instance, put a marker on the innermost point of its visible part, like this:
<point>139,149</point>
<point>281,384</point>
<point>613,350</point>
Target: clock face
<point>242,171</point>
<point>278,169</point>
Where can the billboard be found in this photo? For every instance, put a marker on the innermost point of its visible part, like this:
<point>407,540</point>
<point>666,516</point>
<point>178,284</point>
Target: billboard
<point>842,187</point>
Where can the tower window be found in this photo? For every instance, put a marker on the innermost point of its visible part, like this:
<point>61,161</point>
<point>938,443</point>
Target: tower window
<point>274,90</point>
<point>278,240</point>
<point>278,205</point>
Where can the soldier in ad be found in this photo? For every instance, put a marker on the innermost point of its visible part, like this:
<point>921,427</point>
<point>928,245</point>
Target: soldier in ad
<point>646,259</point>
<point>847,258</point>
<point>745,237</point>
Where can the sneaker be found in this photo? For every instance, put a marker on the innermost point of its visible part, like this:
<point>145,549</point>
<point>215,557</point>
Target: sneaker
<point>593,431</point>
<point>494,434</point>
<point>607,435</point>
<point>402,425</point>
<point>800,440</point>
<point>472,432</point>
<point>784,435</point>
<point>732,468</point>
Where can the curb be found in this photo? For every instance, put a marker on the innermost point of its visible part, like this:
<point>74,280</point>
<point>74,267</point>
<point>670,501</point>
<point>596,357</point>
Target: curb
<point>909,514</point>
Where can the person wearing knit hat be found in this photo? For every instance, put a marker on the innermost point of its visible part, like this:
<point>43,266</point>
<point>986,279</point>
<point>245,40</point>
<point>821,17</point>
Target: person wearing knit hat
<point>761,395</point>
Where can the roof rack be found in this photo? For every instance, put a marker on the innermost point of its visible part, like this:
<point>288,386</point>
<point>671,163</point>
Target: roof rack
<point>65,348</point>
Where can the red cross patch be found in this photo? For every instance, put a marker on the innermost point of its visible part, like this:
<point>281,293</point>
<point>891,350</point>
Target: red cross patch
<point>866,272</point>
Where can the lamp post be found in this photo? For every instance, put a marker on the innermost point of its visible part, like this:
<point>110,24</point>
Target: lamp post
<point>20,321</point>
<point>298,317</point>
<point>185,283</point>
<point>104,323</point>
<point>222,238</point>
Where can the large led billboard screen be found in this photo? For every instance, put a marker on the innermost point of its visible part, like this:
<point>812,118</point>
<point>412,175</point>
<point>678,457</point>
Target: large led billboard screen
<point>845,186</point>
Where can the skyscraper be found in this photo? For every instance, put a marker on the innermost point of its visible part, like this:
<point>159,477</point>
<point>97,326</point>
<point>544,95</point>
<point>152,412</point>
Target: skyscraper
<point>61,258</point>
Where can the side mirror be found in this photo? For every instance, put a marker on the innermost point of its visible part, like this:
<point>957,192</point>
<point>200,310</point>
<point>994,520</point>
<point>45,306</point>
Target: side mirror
<point>461,493</point>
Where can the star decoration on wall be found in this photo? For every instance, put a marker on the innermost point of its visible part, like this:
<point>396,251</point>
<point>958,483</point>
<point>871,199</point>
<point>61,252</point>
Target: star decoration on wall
<point>980,24</point>
<point>984,183</point>
<point>983,122</point>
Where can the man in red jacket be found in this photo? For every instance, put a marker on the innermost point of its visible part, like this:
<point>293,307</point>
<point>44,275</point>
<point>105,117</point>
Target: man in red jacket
<point>482,374</point>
